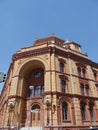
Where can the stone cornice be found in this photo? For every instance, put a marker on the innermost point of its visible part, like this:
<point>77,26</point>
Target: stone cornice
<point>57,51</point>
<point>70,95</point>
<point>31,53</point>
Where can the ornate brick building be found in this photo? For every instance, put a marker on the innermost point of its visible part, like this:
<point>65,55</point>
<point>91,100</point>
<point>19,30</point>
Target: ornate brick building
<point>50,84</point>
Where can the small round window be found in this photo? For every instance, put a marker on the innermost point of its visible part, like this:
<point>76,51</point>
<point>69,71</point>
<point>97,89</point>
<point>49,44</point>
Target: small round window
<point>37,74</point>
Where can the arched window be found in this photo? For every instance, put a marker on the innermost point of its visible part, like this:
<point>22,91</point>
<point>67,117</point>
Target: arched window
<point>87,90</point>
<point>64,111</point>
<point>35,112</point>
<point>83,111</point>
<point>79,71</point>
<point>83,73</point>
<point>82,89</point>
<point>61,67</point>
<point>91,111</point>
<point>63,85</point>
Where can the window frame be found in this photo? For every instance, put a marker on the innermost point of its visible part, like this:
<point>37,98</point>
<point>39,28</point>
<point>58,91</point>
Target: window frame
<point>64,111</point>
<point>63,85</point>
<point>83,111</point>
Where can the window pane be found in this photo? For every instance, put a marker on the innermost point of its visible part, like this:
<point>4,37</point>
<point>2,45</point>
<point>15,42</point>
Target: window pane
<point>64,111</point>
<point>83,73</point>
<point>79,71</point>
<point>61,67</point>
<point>63,84</point>
<point>37,91</point>
<point>91,111</point>
<point>87,90</point>
<point>37,74</point>
<point>43,89</point>
<point>82,89</point>
<point>83,111</point>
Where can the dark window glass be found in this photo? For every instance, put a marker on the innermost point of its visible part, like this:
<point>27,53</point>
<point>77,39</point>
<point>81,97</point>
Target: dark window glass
<point>37,74</point>
<point>83,73</point>
<point>87,90</point>
<point>63,84</point>
<point>42,89</point>
<point>62,67</point>
<point>91,111</point>
<point>82,89</point>
<point>83,111</point>
<point>37,91</point>
<point>79,71</point>
<point>95,76</point>
<point>64,111</point>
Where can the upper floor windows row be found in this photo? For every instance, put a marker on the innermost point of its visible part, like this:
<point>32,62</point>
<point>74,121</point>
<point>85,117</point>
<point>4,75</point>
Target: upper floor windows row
<point>95,76</point>
<point>81,72</point>
<point>62,65</point>
<point>85,112</point>
<point>38,90</point>
<point>84,89</point>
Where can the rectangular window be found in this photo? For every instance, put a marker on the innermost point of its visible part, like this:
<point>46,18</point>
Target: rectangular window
<point>63,84</point>
<point>87,90</point>
<point>83,111</point>
<point>42,89</point>
<point>62,67</point>
<point>82,89</point>
<point>37,91</point>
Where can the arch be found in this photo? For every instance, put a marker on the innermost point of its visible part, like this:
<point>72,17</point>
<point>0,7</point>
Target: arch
<point>65,99</point>
<point>65,106</point>
<point>35,112</point>
<point>40,62</point>
<point>85,101</point>
<point>32,63</point>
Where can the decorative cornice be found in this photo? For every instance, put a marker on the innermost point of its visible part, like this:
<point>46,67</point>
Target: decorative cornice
<point>63,77</point>
<point>81,65</point>
<point>54,50</point>
<point>31,53</point>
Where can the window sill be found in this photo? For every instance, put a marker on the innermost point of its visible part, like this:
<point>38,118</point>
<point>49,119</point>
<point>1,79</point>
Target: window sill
<point>66,121</point>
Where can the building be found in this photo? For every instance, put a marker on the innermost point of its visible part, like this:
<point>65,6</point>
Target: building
<point>50,85</point>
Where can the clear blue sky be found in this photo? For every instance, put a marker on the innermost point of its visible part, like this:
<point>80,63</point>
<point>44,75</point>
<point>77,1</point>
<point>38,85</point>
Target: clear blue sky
<point>22,21</point>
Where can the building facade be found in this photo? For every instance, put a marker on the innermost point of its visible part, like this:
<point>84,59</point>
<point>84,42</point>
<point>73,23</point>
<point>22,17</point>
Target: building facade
<point>50,85</point>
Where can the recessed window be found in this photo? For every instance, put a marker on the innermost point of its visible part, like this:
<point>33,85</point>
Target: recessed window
<point>91,111</point>
<point>63,85</point>
<point>82,89</point>
<point>37,91</point>
<point>95,76</point>
<point>79,71</point>
<point>64,111</point>
<point>87,90</point>
<point>37,74</point>
<point>62,67</point>
<point>83,111</point>
<point>83,73</point>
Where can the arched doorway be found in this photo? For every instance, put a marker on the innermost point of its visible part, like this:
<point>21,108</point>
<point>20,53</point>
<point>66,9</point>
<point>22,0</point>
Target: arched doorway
<point>35,116</point>
<point>32,74</point>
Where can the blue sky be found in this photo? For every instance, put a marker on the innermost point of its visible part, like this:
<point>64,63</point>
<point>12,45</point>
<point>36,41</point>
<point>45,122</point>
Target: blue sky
<point>22,21</point>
